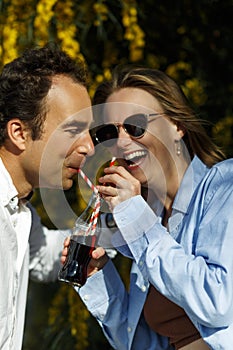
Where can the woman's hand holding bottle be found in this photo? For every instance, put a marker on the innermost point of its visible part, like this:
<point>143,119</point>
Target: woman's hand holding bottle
<point>99,258</point>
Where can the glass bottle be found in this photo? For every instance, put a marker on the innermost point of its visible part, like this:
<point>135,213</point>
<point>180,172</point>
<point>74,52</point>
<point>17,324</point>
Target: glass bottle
<point>82,242</point>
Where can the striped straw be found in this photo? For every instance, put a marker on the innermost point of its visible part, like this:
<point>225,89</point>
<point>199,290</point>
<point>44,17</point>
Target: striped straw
<point>95,215</point>
<point>112,161</point>
<point>96,211</point>
<point>88,181</point>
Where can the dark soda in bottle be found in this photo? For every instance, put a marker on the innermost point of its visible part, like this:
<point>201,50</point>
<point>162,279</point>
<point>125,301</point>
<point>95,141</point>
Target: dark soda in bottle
<point>75,268</point>
<point>82,243</point>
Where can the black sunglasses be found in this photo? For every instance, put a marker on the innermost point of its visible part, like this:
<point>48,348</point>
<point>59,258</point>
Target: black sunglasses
<point>135,125</point>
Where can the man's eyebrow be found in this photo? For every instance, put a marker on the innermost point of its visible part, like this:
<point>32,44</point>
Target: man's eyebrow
<point>74,123</point>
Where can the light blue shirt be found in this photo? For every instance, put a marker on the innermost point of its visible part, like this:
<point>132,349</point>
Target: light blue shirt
<point>191,263</point>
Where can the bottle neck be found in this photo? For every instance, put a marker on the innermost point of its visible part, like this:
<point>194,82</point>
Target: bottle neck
<point>90,216</point>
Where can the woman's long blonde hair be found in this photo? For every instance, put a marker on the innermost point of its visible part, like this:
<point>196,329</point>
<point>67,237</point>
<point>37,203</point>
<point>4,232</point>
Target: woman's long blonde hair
<point>174,104</point>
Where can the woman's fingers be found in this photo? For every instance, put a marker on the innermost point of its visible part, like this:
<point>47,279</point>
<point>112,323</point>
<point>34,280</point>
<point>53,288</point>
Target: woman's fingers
<point>99,259</point>
<point>98,253</point>
<point>66,242</point>
<point>118,185</point>
<point>120,178</point>
<point>64,252</point>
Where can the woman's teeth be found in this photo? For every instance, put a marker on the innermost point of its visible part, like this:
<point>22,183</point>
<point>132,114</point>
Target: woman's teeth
<point>134,157</point>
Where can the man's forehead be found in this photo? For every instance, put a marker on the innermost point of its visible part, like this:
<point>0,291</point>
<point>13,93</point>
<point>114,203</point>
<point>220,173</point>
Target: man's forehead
<point>83,116</point>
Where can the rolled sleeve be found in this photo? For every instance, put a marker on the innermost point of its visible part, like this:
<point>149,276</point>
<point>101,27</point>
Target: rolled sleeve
<point>134,217</point>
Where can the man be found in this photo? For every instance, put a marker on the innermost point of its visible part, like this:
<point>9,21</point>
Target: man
<point>43,140</point>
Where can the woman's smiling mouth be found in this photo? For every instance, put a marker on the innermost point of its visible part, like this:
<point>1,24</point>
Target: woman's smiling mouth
<point>134,159</point>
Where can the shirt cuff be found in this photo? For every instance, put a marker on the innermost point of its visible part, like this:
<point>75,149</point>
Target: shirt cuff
<point>134,217</point>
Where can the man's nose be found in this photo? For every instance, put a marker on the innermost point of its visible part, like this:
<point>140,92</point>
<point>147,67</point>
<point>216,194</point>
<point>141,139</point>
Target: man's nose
<point>89,144</point>
<point>85,144</point>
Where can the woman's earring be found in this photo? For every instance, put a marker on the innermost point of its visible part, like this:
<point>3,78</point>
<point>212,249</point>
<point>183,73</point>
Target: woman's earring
<point>178,147</point>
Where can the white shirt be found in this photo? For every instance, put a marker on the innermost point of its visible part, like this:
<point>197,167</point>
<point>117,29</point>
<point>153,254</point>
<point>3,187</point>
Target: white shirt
<point>20,228</point>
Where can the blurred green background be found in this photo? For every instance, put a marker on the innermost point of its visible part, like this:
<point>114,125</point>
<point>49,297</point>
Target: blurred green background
<point>189,40</point>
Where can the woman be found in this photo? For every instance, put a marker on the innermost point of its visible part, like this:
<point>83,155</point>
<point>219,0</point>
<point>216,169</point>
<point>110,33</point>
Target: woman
<point>178,236</point>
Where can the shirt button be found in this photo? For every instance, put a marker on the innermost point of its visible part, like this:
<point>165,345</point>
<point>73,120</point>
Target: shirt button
<point>129,329</point>
<point>143,288</point>
<point>140,263</point>
<point>86,297</point>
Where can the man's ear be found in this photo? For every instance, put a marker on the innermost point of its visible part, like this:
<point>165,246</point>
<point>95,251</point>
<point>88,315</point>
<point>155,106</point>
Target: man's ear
<point>17,133</point>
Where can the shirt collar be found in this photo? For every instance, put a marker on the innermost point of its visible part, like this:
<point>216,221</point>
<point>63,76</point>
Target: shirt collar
<point>8,192</point>
<point>192,177</point>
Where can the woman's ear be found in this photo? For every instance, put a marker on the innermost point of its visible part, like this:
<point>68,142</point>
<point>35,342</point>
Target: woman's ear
<point>180,129</point>
<point>17,133</point>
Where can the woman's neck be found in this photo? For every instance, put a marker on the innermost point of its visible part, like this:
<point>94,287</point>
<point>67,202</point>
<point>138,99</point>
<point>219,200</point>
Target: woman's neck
<point>165,196</point>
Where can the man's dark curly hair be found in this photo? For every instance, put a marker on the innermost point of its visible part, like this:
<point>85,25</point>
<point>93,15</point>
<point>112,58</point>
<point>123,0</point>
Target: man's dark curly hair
<point>25,82</point>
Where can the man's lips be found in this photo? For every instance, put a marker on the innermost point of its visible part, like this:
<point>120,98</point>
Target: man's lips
<point>75,161</point>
